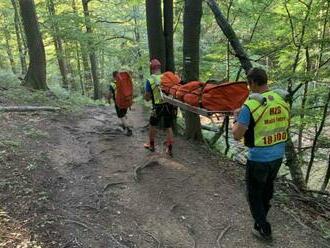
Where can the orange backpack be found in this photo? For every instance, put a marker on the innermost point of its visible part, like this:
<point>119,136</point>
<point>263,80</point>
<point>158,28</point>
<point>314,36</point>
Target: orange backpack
<point>124,90</point>
<point>224,97</point>
<point>168,80</point>
<point>188,88</point>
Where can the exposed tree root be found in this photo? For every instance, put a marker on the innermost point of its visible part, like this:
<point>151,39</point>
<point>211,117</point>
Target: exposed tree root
<point>221,235</point>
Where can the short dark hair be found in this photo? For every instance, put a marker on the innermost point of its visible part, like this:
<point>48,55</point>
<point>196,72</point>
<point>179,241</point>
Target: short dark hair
<point>114,74</point>
<point>257,75</point>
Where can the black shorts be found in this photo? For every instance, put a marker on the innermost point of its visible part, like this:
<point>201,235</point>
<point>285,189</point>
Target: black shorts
<point>162,111</point>
<point>120,112</point>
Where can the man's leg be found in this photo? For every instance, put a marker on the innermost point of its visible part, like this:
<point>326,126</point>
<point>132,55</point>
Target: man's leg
<point>169,141</point>
<point>153,121</point>
<point>256,175</point>
<point>122,115</point>
<point>269,189</point>
<point>167,113</point>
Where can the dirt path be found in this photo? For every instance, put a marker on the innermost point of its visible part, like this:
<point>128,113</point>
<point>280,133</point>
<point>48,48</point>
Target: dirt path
<point>93,200</point>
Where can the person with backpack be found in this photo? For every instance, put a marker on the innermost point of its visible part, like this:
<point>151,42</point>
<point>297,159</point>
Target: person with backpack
<point>160,109</point>
<point>121,104</point>
<point>263,121</point>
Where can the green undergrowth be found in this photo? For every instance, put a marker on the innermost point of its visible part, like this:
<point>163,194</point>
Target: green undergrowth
<point>12,93</point>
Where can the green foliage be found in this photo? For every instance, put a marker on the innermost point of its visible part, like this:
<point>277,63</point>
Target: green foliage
<point>8,79</point>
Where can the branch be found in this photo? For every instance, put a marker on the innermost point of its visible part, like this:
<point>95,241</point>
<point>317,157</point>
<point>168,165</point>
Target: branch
<point>114,22</point>
<point>291,25</point>
<point>324,63</point>
<point>297,88</point>
<point>258,19</point>
<point>231,35</point>
<point>177,22</point>
<point>28,109</point>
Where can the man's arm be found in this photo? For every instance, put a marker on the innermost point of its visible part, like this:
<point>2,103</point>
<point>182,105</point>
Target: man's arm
<point>239,131</point>
<point>109,97</point>
<point>148,92</point>
<point>241,123</point>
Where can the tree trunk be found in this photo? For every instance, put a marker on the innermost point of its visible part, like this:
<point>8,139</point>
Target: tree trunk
<point>19,39</point>
<point>92,54</point>
<point>228,43</point>
<point>82,87</point>
<point>156,39</point>
<point>70,68</point>
<point>87,69</point>
<point>191,35</point>
<point>231,35</point>
<point>303,106</point>
<point>327,177</point>
<point>292,162</point>
<point>36,74</point>
<point>138,39</point>
<point>58,45</point>
<point>317,135</point>
<point>8,48</point>
<point>168,34</point>
<point>83,51</point>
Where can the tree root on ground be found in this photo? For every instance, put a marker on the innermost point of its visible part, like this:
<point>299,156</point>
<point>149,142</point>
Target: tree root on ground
<point>152,161</point>
<point>156,160</point>
<point>221,235</point>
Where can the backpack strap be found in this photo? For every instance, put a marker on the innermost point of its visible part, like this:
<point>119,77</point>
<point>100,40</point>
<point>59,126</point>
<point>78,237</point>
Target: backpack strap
<point>282,93</point>
<point>259,98</point>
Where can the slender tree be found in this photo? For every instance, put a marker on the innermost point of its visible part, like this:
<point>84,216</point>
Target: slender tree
<point>20,44</point>
<point>81,51</point>
<point>191,36</point>
<point>168,35</point>
<point>92,54</point>
<point>58,43</point>
<point>156,39</point>
<point>7,35</point>
<point>36,74</point>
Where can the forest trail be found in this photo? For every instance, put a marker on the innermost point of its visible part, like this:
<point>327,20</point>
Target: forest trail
<point>75,187</point>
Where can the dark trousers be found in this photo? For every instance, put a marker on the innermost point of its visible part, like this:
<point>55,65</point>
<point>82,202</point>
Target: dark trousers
<point>260,178</point>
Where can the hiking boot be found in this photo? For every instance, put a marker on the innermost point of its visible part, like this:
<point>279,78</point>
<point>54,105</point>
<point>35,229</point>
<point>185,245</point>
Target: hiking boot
<point>263,232</point>
<point>122,126</point>
<point>129,131</point>
<point>169,151</point>
<point>149,147</point>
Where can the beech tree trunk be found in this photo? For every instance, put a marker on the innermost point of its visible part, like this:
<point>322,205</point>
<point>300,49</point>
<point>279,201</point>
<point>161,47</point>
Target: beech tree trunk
<point>156,38</point>
<point>191,35</point>
<point>326,177</point>
<point>58,45</point>
<point>19,41</point>
<point>8,48</point>
<point>138,39</point>
<point>36,74</point>
<point>168,35</point>
<point>82,86</point>
<point>292,162</point>
<point>83,52</point>
<point>92,54</point>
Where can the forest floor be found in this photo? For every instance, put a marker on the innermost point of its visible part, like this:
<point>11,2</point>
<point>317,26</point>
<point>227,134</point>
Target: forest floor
<point>71,180</point>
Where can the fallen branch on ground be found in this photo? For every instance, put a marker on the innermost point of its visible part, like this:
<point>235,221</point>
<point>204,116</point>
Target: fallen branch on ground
<point>28,109</point>
<point>221,235</point>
